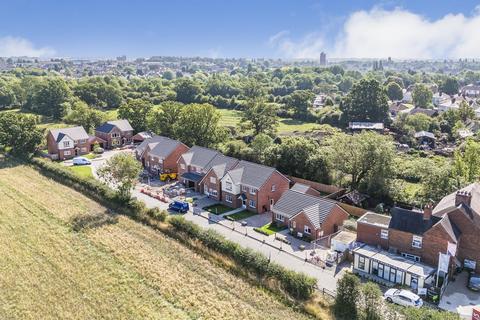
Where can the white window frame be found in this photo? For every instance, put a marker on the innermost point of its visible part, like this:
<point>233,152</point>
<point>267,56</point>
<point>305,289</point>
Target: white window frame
<point>361,262</point>
<point>253,191</point>
<point>244,188</point>
<point>384,234</point>
<point>228,186</point>
<point>279,217</point>
<point>274,188</point>
<point>67,153</point>
<point>252,203</point>
<point>213,180</point>
<point>182,166</point>
<point>66,144</point>
<point>228,198</point>
<point>214,192</point>
<point>307,230</point>
<point>417,242</point>
<point>83,149</point>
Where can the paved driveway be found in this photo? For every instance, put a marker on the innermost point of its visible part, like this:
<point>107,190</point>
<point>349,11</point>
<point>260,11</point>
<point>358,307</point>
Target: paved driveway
<point>457,294</point>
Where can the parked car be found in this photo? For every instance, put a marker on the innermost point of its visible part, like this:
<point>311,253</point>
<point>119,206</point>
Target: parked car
<point>78,161</point>
<point>179,206</point>
<point>403,298</point>
<point>474,282</point>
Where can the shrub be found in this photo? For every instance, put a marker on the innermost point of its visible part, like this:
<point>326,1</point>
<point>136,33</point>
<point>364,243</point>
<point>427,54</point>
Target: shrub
<point>259,230</point>
<point>346,299</point>
<point>298,285</point>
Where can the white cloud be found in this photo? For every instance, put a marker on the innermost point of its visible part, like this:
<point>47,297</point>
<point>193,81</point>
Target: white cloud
<point>394,33</point>
<point>16,46</point>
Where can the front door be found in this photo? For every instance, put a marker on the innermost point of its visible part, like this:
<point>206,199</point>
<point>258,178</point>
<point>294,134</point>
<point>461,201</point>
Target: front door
<point>244,203</point>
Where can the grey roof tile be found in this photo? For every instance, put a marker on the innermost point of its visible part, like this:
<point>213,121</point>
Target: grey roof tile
<point>250,174</point>
<point>75,133</point>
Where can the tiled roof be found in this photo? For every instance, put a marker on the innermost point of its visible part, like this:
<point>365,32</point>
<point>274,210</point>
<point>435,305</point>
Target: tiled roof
<point>316,209</point>
<point>199,156</point>
<point>123,125</point>
<point>159,146</point>
<point>410,221</point>
<point>221,164</point>
<point>250,174</point>
<point>375,219</point>
<point>75,133</point>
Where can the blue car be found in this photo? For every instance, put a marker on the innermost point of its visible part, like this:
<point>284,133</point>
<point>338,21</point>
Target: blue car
<point>179,206</point>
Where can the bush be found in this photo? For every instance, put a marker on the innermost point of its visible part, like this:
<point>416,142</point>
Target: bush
<point>259,230</point>
<point>348,291</point>
<point>298,285</point>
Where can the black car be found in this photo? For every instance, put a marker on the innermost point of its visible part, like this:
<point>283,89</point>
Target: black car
<point>474,282</point>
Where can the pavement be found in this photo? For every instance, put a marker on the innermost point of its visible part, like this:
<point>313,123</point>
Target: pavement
<point>458,295</point>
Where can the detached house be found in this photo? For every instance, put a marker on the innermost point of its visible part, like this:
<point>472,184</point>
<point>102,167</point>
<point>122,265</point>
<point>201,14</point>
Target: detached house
<point>115,133</point>
<point>160,154</point>
<point>252,186</point>
<point>307,215</point>
<point>67,143</point>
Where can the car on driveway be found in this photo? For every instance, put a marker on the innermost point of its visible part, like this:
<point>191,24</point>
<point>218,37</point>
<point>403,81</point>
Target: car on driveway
<point>403,298</point>
<point>79,161</point>
<point>474,282</point>
<point>179,206</point>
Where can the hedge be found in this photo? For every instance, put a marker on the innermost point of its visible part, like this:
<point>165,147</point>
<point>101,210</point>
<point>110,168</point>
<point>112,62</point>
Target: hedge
<point>298,285</point>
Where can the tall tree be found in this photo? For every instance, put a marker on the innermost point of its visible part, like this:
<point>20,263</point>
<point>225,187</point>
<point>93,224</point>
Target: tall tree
<point>394,91</point>
<point>467,163</point>
<point>299,102</point>
<point>136,112</point>
<point>19,133</point>
<point>162,119</point>
<point>121,171</point>
<point>422,96</point>
<point>198,124</point>
<point>450,86</point>
<point>82,115</point>
<point>50,99</point>
<point>366,101</point>
<point>348,292</point>
<point>258,115</point>
<point>187,90</point>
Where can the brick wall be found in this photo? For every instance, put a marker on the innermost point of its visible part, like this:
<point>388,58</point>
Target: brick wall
<point>265,193</point>
<point>334,220</point>
<point>371,234</point>
<point>469,244</point>
<point>402,241</point>
<point>170,162</point>
<point>208,185</point>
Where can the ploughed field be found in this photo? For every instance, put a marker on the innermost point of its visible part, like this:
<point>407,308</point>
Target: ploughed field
<point>63,256</point>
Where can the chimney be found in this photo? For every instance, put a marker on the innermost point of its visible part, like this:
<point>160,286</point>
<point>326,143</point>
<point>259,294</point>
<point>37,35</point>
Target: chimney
<point>428,211</point>
<point>463,197</point>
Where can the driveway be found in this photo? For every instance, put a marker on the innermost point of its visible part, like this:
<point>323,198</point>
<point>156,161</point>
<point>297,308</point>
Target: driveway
<point>457,294</point>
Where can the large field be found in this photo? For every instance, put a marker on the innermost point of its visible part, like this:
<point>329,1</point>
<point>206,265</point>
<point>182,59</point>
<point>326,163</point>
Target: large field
<point>52,266</point>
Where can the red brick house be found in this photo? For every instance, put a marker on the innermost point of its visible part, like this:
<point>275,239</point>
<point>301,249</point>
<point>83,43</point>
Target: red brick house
<point>253,186</point>
<point>308,216</point>
<point>67,143</point>
<point>194,164</point>
<point>115,133</point>
<point>372,229</point>
<point>160,154</point>
<point>211,184</point>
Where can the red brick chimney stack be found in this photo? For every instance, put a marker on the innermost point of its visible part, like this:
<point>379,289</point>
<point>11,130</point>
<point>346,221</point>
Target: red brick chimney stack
<point>463,197</point>
<point>427,211</point>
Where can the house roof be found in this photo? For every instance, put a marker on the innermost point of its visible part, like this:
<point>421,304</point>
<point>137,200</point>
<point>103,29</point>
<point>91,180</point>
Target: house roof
<point>428,112</point>
<point>199,156</point>
<point>220,164</point>
<point>426,134</point>
<point>447,203</point>
<point>365,125</point>
<point>74,133</point>
<point>159,146</point>
<point>354,197</point>
<point>410,221</point>
<point>250,174</point>
<point>292,203</point>
<point>305,188</point>
<point>192,176</point>
<point>122,125</point>
<point>143,135</point>
<point>375,219</point>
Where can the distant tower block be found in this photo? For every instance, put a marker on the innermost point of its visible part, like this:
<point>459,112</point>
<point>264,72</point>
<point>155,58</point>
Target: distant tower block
<point>323,59</point>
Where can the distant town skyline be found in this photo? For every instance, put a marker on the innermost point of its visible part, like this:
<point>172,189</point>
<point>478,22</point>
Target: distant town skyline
<point>249,29</point>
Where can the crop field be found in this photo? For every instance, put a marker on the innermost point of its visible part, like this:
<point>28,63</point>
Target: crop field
<point>64,256</point>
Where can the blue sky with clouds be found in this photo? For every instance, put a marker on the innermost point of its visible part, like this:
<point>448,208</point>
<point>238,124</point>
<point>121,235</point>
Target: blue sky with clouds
<point>240,28</point>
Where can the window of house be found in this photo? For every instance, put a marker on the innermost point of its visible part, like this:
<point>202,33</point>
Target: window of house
<point>251,203</point>
<point>244,188</point>
<point>384,234</point>
<point>411,257</point>
<point>82,141</point>
<point>279,217</point>
<point>386,273</point>
<point>214,192</point>
<point>228,198</point>
<point>67,153</point>
<point>380,270</point>
<point>182,166</point>
<point>213,180</point>
<point>361,262</point>
<point>307,230</point>
<point>274,187</point>
<point>417,242</point>
<point>66,144</point>
<point>375,268</point>
<point>83,149</point>
<point>253,190</point>
<point>228,186</point>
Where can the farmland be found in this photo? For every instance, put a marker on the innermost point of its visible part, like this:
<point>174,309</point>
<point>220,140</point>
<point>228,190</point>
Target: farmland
<point>64,256</point>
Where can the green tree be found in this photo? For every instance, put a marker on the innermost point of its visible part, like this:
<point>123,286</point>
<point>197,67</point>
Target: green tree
<point>372,300</point>
<point>19,133</point>
<point>348,291</point>
<point>366,160</point>
<point>467,163</point>
<point>162,119</point>
<point>394,91</point>
<point>136,112</point>
<point>260,145</point>
<point>299,102</point>
<point>198,124</point>
<point>465,111</point>
<point>422,96</point>
<point>439,180</point>
<point>51,97</point>
<point>82,115</point>
<point>96,92</point>
<point>121,171</point>
<point>366,101</point>
<point>258,115</point>
<point>449,86</point>
<point>187,90</point>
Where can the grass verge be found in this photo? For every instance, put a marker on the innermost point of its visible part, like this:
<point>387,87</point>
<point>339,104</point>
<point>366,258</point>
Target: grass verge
<point>84,172</point>
<point>240,215</point>
<point>270,228</point>
<point>218,209</point>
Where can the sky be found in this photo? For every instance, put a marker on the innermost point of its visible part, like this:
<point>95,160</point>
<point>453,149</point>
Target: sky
<point>287,29</point>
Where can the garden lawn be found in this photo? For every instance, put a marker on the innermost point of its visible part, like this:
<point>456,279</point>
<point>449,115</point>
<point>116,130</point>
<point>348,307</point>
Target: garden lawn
<point>270,228</point>
<point>240,215</point>
<point>218,209</point>
<point>63,256</point>
<point>82,171</point>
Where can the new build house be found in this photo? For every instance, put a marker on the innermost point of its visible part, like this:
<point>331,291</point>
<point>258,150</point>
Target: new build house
<point>211,183</point>
<point>115,133</point>
<point>252,186</point>
<point>308,216</point>
<point>160,154</point>
<point>66,143</point>
<point>194,164</point>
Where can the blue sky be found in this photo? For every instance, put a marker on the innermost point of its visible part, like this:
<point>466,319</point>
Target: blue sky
<point>235,28</point>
